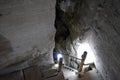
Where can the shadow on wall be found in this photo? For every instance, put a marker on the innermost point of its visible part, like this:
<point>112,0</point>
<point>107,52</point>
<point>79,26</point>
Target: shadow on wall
<point>5,46</point>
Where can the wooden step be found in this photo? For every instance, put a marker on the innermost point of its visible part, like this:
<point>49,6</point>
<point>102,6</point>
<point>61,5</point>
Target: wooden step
<point>53,74</point>
<point>13,76</point>
<point>32,73</point>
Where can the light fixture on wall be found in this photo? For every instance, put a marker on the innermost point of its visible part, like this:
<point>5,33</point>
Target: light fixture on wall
<point>59,56</point>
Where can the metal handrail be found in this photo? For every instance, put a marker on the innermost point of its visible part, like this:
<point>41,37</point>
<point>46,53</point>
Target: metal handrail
<point>72,56</point>
<point>73,61</point>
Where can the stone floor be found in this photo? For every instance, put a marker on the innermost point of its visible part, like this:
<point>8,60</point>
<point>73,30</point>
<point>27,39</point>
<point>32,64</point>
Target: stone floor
<point>34,73</point>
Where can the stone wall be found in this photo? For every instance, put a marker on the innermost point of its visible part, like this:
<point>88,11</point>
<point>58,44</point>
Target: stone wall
<point>26,33</point>
<point>103,17</point>
<point>98,23</point>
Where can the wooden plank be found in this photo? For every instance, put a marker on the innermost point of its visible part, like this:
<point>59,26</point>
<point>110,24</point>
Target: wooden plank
<point>49,73</point>
<point>32,73</point>
<point>13,76</point>
<point>59,76</point>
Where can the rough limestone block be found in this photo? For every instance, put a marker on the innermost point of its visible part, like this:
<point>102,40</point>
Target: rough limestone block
<point>28,26</point>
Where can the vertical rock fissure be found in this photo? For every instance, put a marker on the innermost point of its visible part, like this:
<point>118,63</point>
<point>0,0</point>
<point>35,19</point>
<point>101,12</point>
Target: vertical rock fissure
<point>67,16</point>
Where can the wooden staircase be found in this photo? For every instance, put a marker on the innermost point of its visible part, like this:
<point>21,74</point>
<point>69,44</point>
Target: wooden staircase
<point>34,73</point>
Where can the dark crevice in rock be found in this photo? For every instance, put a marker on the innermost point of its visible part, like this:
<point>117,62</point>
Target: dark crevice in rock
<point>66,23</point>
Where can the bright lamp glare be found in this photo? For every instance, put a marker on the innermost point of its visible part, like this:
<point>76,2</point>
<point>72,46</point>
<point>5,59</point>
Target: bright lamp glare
<point>56,65</point>
<point>59,56</point>
<point>85,47</point>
